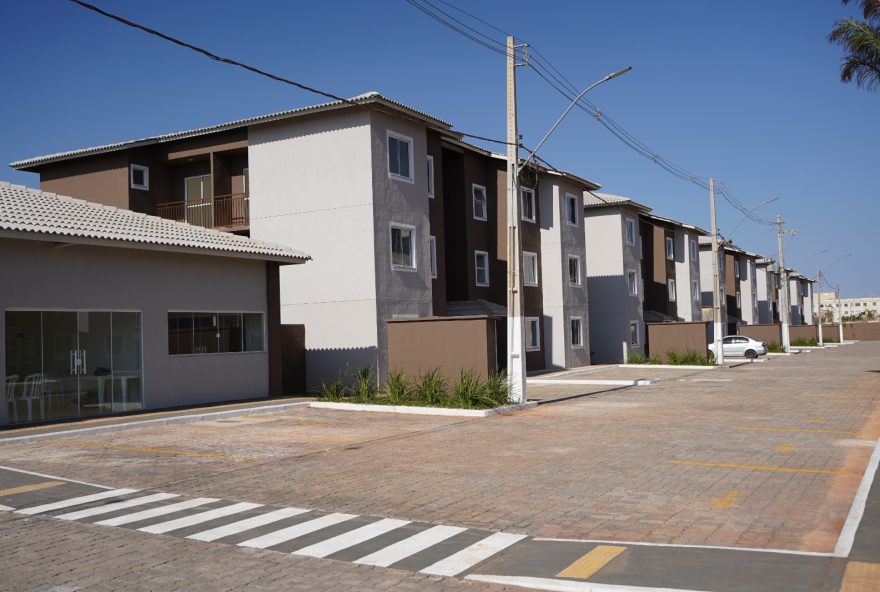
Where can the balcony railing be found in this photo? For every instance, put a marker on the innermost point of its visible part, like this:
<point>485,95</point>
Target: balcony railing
<point>224,211</point>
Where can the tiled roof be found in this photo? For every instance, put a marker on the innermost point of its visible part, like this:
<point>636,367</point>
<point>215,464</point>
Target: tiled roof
<point>596,199</point>
<point>32,211</point>
<point>364,99</point>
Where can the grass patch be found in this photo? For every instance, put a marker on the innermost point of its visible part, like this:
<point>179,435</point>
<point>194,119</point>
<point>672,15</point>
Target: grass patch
<point>640,358</point>
<point>801,342</point>
<point>775,348</point>
<point>689,357</point>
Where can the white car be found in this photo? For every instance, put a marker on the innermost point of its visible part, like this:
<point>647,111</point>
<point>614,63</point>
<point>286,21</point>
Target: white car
<point>740,345</point>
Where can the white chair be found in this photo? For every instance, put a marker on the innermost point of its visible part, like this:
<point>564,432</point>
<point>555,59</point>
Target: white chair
<point>11,383</point>
<point>33,390</point>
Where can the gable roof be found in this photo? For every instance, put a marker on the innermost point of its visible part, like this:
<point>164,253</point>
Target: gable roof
<point>596,199</point>
<point>370,98</point>
<point>30,213</point>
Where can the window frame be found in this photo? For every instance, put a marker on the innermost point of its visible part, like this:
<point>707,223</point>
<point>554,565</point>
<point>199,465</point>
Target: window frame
<point>474,188</point>
<point>217,314</point>
<point>627,224</point>
<point>632,287</point>
<point>477,283</point>
<point>671,290</point>
<point>695,290</point>
<point>637,342</point>
<point>580,335</point>
<point>577,260</point>
<point>409,141</point>
<point>571,199</point>
<point>429,161</point>
<point>534,266</point>
<point>695,252</point>
<point>413,255</point>
<point>527,321</point>
<point>670,248</point>
<point>432,251</point>
<point>531,192</point>
<point>739,300</point>
<point>143,169</point>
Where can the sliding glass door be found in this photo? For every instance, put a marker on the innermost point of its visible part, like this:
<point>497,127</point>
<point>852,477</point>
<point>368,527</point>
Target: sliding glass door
<point>63,364</point>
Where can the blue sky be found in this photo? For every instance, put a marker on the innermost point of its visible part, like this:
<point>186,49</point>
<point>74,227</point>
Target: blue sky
<point>747,92</point>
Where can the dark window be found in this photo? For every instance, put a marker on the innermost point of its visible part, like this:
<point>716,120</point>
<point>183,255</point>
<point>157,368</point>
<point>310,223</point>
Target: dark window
<point>212,333</point>
<point>180,333</point>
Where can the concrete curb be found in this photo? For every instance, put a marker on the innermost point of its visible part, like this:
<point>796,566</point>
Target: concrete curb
<point>421,410</point>
<point>668,366</point>
<point>133,425</point>
<point>597,382</point>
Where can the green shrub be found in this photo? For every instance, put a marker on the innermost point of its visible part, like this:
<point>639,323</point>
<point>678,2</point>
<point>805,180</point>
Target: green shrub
<point>635,357</point>
<point>801,342</point>
<point>469,392</point>
<point>653,360</point>
<point>689,357</point>
<point>397,390</point>
<point>498,389</point>
<point>364,390</point>
<point>335,391</point>
<point>775,348</point>
<point>432,389</point>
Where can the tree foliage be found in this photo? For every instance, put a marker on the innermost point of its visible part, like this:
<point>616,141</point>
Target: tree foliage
<point>860,40</point>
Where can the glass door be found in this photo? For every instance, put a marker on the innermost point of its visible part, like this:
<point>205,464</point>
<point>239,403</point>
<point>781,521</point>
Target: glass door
<point>126,361</point>
<point>95,363</point>
<point>57,388</point>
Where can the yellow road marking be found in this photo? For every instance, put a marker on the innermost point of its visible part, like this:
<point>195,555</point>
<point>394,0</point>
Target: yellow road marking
<point>149,450</point>
<point>726,500</point>
<point>591,562</point>
<point>31,487</point>
<point>861,577</point>
<point>785,448</point>
<point>802,430</point>
<point>697,463</point>
<point>818,420</point>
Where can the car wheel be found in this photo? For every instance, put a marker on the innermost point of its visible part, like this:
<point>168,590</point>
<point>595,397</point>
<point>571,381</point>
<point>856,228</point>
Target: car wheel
<point>710,355</point>
<point>751,354</point>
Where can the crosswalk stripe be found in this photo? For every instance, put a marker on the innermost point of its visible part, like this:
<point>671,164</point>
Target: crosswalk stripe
<point>246,524</point>
<point>295,531</point>
<point>350,539</point>
<point>199,518</point>
<point>410,546</point>
<point>143,515</point>
<point>138,501</point>
<point>469,557</point>
<point>75,501</point>
<point>6,508</point>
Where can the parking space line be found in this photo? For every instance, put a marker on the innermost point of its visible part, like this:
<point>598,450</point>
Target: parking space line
<point>470,556</point>
<point>149,450</point>
<point>352,538</point>
<point>726,500</point>
<point>698,463</point>
<point>785,447</point>
<point>591,562</point>
<point>31,487</point>
<point>53,477</point>
<point>408,547</point>
<point>563,585</point>
<point>800,430</point>
<point>76,501</point>
<point>6,508</point>
<point>861,577</point>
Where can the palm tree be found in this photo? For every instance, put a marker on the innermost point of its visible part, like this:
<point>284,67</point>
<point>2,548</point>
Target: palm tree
<point>861,41</point>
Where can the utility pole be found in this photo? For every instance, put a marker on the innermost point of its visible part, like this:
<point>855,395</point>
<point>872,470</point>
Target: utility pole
<point>819,304</point>
<point>839,315</point>
<point>718,335</point>
<point>783,277</point>
<point>516,366</point>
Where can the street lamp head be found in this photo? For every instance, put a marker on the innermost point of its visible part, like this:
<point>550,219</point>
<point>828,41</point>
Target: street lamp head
<point>620,72</point>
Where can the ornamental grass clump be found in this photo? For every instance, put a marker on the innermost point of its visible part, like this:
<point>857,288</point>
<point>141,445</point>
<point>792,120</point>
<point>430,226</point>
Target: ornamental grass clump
<point>689,357</point>
<point>364,389</point>
<point>433,390</point>
<point>397,390</point>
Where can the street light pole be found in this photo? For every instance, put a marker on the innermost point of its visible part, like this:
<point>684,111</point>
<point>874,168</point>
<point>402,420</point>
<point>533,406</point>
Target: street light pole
<point>839,316</point>
<point>819,305</point>
<point>783,276</point>
<point>717,335</point>
<point>746,215</point>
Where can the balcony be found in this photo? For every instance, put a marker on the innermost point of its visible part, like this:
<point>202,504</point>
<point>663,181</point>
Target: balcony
<point>224,212</point>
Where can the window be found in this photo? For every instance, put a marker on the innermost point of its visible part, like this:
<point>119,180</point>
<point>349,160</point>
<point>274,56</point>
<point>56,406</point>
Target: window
<point>214,332</point>
<point>694,251</point>
<point>634,333</point>
<point>399,157</point>
<point>574,270</point>
<point>530,269</point>
<point>481,267</point>
<point>738,300</point>
<point>432,248</point>
<point>576,328</point>
<point>736,268</point>
<point>632,281</point>
<point>671,289</point>
<point>695,290</point>
<point>528,204</point>
<point>571,209</point>
<point>641,248</point>
<point>533,333</point>
<point>670,248</point>
<point>140,177</point>
<point>246,181</point>
<point>630,231</point>
<point>430,176</point>
<point>403,254</point>
<point>480,212</point>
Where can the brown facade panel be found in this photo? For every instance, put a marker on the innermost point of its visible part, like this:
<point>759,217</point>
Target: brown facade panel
<point>806,332</point>
<point>293,348</point>
<point>273,329</point>
<point>101,179</point>
<point>666,338</point>
<point>766,333</point>
<point>863,331</point>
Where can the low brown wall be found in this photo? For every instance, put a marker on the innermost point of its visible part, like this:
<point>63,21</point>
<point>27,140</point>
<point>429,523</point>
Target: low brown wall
<point>766,333</point>
<point>806,332</point>
<point>664,338</point>
<point>449,344</point>
<point>293,354</point>
<point>863,331</point>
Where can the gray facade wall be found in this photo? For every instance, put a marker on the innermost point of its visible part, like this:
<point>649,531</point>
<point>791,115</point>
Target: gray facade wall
<point>105,278</point>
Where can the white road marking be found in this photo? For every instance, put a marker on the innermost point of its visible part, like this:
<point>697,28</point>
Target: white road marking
<point>408,547</point>
<point>350,539</point>
<point>565,585</point>
<point>246,524</point>
<point>6,508</point>
<point>857,510</point>
<point>138,501</point>
<point>295,531</point>
<point>163,527</point>
<point>674,546</point>
<point>128,518</point>
<point>75,501</point>
<point>53,477</point>
<point>469,557</point>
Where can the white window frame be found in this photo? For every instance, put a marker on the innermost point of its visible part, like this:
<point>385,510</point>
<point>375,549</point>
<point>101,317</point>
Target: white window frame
<point>474,188</point>
<point>580,333</point>
<point>477,255</point>
<point>738,300</point>
<point>524,191</point>
<point>430,164</point>
<point>694,252</point>
<point>571,200</point>
<point>626,226</point>
<point>671,289</point>
<point>536,332</point>
<point>579,274</point>
<point>432,249</point>
<point>736,273</point>
<point>401,138</point>
<point>412,229</point>
<point>532,258</point>
<point>670,248</point>
<point>695,290</point>
<point>632,287</point>
<point>145,170</point>
<point>638,337</point>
